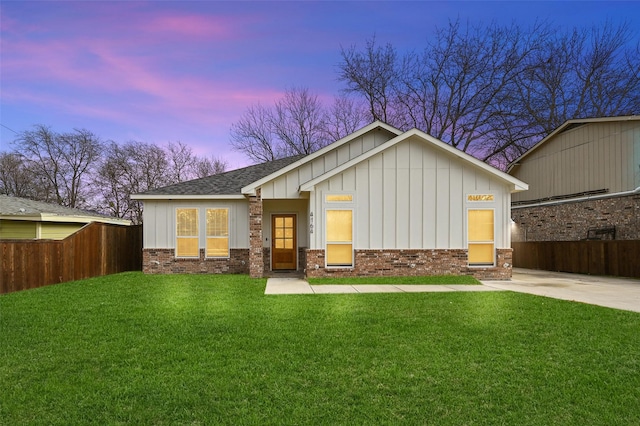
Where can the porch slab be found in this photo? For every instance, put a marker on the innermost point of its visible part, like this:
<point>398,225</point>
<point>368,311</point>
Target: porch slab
<point>287,286</point>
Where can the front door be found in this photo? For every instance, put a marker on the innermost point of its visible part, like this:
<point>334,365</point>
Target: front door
<point>283,242</point>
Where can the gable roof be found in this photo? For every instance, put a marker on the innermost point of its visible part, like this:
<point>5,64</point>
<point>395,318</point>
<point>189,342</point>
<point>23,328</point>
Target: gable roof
<point>16,208</point>
<point>516,184</point>
<point>250,188</point>
<point>568,125</point>
<point>224,185</point>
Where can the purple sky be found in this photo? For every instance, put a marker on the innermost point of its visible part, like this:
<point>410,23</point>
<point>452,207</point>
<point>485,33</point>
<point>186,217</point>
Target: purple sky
<point>185,71</point>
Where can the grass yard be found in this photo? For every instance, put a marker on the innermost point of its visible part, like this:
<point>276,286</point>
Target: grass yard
<point>439,279</point>
<point>139,349</point>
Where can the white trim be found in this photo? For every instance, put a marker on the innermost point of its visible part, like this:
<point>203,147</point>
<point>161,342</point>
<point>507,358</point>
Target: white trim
<point>187,197</point>
<point>516,184</point>
<point>251,188</point>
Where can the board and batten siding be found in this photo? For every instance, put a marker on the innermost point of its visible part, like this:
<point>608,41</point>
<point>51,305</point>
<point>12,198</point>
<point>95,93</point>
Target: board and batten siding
<point>590,157</point>
<point>287,185</point>
<point>412,196</point>
<point>161,214</point>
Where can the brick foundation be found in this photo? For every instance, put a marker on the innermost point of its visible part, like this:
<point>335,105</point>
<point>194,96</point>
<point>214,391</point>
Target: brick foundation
<point>410,263</point>
<point>570,221</point>
<point>163,261</point>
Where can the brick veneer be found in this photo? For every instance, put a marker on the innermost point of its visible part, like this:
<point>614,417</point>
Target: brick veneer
<point>163,261</point>
<point>410,263</point>
<point>256,255</point>
<point>570,221</point>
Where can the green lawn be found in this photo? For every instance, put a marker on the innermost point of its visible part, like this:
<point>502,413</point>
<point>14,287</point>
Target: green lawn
<point>440,279</point>
<point>136,349</point>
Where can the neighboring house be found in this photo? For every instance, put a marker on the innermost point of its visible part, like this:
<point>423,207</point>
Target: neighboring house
<point>584,183</point>
<point>24,219</point>
<point>377,202</point>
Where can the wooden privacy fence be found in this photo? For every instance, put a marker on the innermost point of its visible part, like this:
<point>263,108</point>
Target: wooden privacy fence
<point>95,250</point>
<point>618,257</point>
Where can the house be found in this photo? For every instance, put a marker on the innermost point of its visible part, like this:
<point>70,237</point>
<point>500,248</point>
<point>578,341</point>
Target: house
<point>377,202</point>
<point>584,183</point>
<point>24,219</point>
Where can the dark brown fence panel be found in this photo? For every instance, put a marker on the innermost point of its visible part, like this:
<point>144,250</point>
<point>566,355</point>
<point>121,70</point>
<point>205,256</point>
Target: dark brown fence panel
<point>617,258</point>
<point>95,250</point>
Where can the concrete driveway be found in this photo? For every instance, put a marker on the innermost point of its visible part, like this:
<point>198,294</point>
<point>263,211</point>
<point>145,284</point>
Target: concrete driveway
<point>618,293</point>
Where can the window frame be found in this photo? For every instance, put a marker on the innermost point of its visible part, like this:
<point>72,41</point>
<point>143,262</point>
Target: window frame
<point>196,236</point>
<point>207,236</point>
<point>328,242</point>
<point>492,242</point>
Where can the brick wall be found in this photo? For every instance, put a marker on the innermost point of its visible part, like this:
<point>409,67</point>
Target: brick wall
<point>410,263</point>
<point>571,221</point>
<point>256,255</point>
<point>163,261</point>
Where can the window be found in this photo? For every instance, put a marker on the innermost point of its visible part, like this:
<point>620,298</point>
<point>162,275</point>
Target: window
<point>339,198</point>
<point>217,232</point>
<point>339,238</point>
<point>187,233</point>
<point>480,237</point>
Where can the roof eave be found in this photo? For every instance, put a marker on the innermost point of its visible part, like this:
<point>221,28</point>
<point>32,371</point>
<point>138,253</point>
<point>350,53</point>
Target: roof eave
<point>143,197</point>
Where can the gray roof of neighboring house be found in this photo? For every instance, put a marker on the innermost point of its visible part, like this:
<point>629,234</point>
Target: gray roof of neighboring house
<point>16,206</point>
<point>228,183</point>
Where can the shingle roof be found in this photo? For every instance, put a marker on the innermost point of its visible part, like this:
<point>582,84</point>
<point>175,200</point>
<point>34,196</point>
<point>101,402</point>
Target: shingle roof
<point>16,206</point>
<point>229,183</point>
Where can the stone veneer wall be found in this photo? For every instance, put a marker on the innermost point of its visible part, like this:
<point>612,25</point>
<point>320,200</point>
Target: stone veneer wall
<point>163,261</point>
<point>570,221</point>
<point>410,263</point>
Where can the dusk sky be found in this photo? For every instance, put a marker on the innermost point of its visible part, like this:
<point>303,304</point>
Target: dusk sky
<point>164,71</point>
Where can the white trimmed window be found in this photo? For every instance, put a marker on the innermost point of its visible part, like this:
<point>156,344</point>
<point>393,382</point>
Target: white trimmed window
<point>339,248</point>
<point>187,233</point>
<point>217,232</point>
<point>480,237</point>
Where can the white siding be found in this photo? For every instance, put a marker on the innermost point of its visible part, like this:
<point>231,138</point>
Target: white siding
<point>413,196</point>
<point>286,186</point>
<point>160,221</point>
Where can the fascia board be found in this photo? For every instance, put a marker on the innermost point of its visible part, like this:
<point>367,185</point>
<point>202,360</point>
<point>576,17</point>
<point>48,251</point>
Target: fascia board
<point>187,197</point>
<point>251,188</point>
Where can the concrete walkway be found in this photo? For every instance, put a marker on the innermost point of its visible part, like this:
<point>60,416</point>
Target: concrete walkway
<point>300,286</point>
<point>618,293</point>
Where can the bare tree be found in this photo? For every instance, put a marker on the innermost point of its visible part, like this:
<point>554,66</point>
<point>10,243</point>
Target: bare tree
<point>208,166</point>
<point>298,123</point>
<point>345,116</point>
<point>294,125</point>
<point>371,73</point>
<point>493,91</point>
<point>64,160</point>
<point>17,179</point>
<point>252,135</point>
<point>127,169</point>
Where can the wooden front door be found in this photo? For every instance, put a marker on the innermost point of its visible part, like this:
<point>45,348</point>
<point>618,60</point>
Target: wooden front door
<point>284,250</point>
